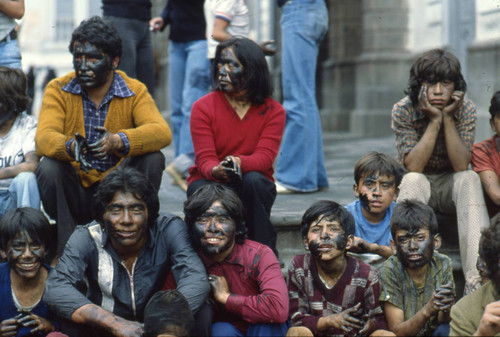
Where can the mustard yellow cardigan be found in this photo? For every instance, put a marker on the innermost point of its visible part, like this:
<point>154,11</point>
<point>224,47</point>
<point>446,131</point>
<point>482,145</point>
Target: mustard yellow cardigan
<point>61,116</point>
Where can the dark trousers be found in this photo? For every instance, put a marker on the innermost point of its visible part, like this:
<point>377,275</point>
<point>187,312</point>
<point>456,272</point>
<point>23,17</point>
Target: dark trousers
<point>69,203</point>
<point>257,194</point>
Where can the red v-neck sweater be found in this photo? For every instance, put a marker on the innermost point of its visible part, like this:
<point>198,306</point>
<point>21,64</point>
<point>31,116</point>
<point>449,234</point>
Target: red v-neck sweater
<point>217,132</point>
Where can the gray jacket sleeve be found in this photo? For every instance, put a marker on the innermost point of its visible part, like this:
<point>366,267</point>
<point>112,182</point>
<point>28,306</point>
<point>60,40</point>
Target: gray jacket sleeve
<point>61,288</point>
<point>187,268</point>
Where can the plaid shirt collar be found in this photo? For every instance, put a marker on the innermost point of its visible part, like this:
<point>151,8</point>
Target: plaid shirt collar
<point>118,88</point>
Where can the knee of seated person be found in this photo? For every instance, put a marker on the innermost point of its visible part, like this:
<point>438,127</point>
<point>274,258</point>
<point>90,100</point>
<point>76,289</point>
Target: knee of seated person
<point>299,331</point>
<point>25,178</point>
<point>467,177</point>
<point>49,168</point>
<point>413,178</point>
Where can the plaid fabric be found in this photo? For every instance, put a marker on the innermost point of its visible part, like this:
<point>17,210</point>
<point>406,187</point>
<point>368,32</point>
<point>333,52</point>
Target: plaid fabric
<point>310,299</point>
<point>409,125</point>
<point>95,116</point>
<point>399,289</point>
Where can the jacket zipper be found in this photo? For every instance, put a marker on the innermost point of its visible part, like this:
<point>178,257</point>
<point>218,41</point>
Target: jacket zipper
<point>131,281</point>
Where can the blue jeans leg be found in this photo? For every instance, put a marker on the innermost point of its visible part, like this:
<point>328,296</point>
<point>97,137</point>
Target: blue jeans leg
<point>7,202</point>
<point>189,66</point>
<point>301,163</point>
<point>267,329</point>
<point>24,190</point>
<point>225,329</point>
<point>10,55</point>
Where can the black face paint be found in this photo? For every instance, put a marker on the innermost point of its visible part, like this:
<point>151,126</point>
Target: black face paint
<point>25,256</point>
<point>413,249</point>
<point>215,230</point>
<point>365,201</point>
<point>92,67</point>
<point>230,72</point>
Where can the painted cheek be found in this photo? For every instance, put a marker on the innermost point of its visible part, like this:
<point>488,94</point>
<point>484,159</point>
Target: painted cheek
<point>236,77</point>
<point>365,202</point>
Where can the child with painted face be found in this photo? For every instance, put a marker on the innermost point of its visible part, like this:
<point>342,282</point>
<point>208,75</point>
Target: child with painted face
<point>330,292</point>
<point>245,276</point>
<point>24,237</point>
<point>377,177</point>
<point>417,283</point>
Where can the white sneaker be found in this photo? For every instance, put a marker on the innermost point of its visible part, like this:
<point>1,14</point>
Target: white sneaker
<point>280,189</point>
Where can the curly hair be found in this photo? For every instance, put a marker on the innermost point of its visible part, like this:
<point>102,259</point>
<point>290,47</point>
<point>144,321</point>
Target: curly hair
<point>99,32</point>
<point>326,209</point>
<point>434,66</point>
<point>258,85</point>
<point>489,247</point>
<point>376,162</point>
<point>127,180</point>
<point>13,94</point>
<point>204,197</point>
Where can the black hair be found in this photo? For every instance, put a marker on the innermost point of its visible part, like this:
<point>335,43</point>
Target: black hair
<point>434,66</point>
<point>412,215</point>
<point>99,32</point>
<point>128,180</point>
<point>376,162</point>
<point>167,311</point>
<point>495,104</point>
<point>201,200</point>
<point>257,80</point>
<point>489,247</point>
<point>13,94</point>
<point>327,209</point>
<point>24,220</point>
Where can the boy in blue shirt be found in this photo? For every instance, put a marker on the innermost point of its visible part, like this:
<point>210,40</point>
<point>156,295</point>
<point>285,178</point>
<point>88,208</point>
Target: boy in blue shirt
<point>377,177</point>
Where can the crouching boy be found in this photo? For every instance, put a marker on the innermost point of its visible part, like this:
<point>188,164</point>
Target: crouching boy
<point>332,293</point>
<point>417,283</point>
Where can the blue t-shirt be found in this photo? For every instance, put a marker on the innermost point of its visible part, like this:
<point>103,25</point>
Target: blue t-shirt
<point>379,233</point>
<point>8,308</point>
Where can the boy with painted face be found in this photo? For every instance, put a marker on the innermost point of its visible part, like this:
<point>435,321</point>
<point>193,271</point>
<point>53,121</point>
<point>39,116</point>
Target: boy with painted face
<point>417,283</point>
<point>125,255</point>
<point>330,292</point>
<point>24,238</point>
<point>91,121</point>
<point>245,276</point>
<point>377,177</point>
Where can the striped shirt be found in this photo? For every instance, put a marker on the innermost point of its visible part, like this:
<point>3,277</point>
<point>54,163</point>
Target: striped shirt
<point>95,116</point>
<point>310,299</point>
<point>399,289</point>
<point>409,125</point>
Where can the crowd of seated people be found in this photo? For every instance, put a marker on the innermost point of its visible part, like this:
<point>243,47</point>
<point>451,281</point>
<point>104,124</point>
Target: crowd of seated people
<point>123,268</point>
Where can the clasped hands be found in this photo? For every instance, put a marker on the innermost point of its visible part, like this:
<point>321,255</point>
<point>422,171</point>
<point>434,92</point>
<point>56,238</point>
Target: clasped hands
<point>107,144</point>
<point>228,170</point>
<point>10,327</point>
<point>352,318</point>
<point>442,299</point>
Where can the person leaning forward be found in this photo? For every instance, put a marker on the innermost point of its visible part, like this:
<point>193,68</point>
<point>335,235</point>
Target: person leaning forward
<point>125,255</point>
<point>92,120</point>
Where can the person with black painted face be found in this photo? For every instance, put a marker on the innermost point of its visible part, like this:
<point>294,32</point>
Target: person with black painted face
<point>125,255</point>
<point>417,282</point>
<point>24,239</point>
<point>236,132</point>
<point>245,276</point>
<point>92,120</point>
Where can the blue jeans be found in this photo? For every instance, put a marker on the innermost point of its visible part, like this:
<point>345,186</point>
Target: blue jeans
<point>300,164</point>
<point>188,81</point>
<point>260,329</point>
<point>22,192</point>
<point>10,55</point>
<point>137,59</point>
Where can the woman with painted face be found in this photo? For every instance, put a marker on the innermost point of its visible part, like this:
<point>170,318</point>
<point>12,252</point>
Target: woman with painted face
<point>18,157</point>
<point>24,238</point>
<point>236,132</point>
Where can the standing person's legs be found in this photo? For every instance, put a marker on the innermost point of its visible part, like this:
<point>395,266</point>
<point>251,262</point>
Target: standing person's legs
<point>10,55</point>
<point>145,68</point>
<point>472,217</point>
<point>195,86</point>
<point>300,163</point>
<point>63,197</point>
<point>150,164</point>
<point>24,189</point>
<point>258,194</point>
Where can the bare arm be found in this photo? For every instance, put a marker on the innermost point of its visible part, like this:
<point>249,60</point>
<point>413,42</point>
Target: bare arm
<point>219,33</point>
<point>29,165</point>
<point>362,246</point>
<point>458,153</point>
<point>410,327</point>
<point>14,9</point>
<point>491,185</point>
<point>91,314</point>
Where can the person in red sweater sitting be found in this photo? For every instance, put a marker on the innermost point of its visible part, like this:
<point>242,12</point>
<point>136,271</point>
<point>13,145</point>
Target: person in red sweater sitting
<point>236,132</point>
